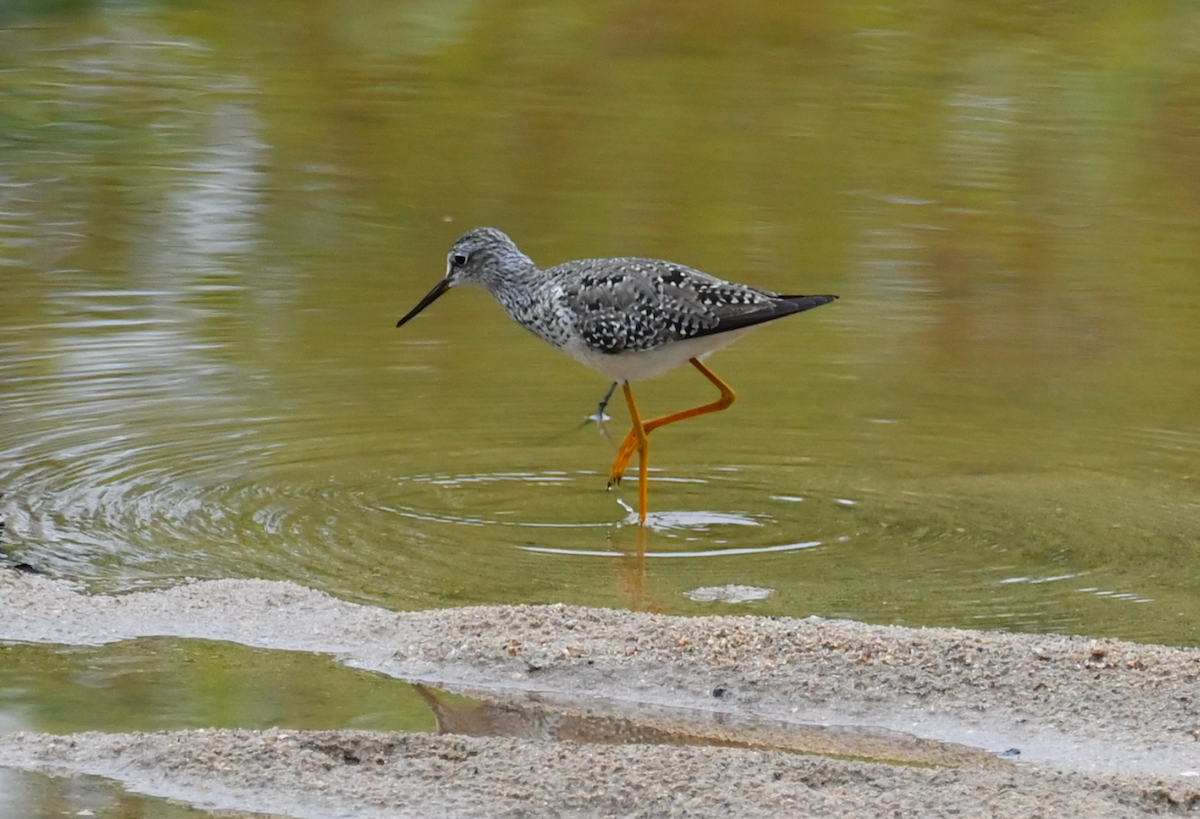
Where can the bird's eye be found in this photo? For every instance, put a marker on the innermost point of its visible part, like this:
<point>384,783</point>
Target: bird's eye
<point>458,259</point>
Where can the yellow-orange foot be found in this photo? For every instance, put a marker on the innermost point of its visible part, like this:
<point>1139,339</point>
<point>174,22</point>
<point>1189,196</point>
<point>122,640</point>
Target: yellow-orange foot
<point>624,455</point>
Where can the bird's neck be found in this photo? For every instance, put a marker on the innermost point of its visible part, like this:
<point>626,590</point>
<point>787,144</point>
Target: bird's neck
<point>526,294</point>
<point>519,288</point>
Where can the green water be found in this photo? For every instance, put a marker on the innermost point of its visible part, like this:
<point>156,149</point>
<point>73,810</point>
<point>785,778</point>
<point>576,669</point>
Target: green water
<point>36,796</point>
<point>158,684</point>
<point>212,214</point>
<point>166,684</point>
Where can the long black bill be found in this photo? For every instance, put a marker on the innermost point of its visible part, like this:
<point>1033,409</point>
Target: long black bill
<point>429,299</point>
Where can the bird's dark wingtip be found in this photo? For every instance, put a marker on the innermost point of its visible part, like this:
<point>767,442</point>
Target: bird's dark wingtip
<point>778,308</point>
<point>803,303</point>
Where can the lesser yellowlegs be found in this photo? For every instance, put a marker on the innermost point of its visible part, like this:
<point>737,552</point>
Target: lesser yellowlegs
<point>629,318</point>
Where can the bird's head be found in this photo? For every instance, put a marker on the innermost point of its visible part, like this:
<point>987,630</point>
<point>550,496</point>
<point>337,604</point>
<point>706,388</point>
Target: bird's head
<point>484,257</point>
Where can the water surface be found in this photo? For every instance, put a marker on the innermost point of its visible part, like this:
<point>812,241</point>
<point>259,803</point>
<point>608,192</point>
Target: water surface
<point>212,214</point>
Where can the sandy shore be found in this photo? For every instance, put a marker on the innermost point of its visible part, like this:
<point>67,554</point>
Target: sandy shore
<point>712,710</point>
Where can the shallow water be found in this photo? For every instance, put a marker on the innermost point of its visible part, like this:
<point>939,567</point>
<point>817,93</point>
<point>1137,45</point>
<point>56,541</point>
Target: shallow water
<point>212,215</point>
<point>160,683</point>
<point>38,796</point>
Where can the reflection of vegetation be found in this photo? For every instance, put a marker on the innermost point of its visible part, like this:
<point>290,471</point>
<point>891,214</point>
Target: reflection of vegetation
<point>19,12</point>
<point>111,99</point>
<point>16,118</point>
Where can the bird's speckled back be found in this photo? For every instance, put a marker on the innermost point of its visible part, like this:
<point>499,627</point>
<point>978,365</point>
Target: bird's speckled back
<point>612,306</point>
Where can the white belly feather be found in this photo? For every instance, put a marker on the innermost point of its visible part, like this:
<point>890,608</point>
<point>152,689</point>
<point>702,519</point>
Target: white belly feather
<point>637,366</point>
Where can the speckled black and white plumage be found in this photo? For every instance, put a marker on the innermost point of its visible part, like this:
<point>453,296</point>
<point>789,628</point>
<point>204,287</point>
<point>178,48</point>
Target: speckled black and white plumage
<point>630,318</point>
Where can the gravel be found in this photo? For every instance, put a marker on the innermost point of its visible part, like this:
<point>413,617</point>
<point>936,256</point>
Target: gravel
<point>609,713</point>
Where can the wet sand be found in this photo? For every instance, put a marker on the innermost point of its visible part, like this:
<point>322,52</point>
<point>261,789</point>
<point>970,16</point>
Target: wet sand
<point>1103,728</point>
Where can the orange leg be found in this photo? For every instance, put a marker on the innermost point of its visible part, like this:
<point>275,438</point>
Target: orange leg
<point>642,443</point>
<point>631,442</point>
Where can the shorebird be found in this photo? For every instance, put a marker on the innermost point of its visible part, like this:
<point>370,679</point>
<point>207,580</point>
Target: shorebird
<point>629,318</point>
